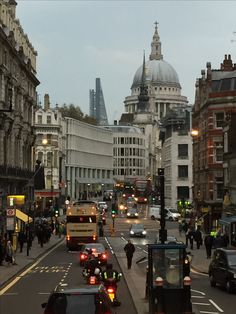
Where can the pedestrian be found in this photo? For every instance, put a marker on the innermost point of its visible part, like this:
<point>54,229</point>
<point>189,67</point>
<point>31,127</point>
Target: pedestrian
<point>191,237</point>
<point>129,250</point>
<point>9,254</point>
<point>180,227</point>
<point>21,239</point>
<point>198,237</point>
<point>208,241</point>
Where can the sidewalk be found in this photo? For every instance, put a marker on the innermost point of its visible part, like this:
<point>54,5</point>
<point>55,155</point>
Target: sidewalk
<point>22,260</point>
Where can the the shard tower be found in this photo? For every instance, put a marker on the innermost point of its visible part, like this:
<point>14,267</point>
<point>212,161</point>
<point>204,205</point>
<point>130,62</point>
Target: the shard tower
<point>97,107</point>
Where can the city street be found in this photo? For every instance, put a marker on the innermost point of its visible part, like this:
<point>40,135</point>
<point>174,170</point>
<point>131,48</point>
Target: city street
<point>60,266</point>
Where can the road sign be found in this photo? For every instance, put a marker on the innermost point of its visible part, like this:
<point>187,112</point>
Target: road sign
<point>10,212</point>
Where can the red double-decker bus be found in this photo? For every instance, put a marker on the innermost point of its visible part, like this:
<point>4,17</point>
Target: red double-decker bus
<point>142,190</point>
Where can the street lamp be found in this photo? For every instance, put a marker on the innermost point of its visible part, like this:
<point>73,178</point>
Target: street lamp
<point>88,185</point>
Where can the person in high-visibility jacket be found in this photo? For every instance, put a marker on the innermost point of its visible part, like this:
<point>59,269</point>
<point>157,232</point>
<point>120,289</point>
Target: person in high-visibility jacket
<point>110,274</point>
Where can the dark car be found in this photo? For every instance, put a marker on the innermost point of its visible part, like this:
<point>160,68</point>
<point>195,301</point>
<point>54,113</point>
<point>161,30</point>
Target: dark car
<point>132,213</point>
<point>222,269</point>
<point>137,230</point>
<point>98,251</point>
<point>82,299</point>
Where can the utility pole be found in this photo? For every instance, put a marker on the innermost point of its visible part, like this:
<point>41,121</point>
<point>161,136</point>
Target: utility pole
<point>162,231</point>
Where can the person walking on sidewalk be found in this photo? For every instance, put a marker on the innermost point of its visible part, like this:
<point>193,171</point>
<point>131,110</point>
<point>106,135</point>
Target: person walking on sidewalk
<point>198,237</point>
<point>208,241</point>
<point>1,251</point>
<point>9,254</point>
<point>129,250</point>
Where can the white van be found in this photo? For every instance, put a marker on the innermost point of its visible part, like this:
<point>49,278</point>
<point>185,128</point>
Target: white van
<point>155,212</point>
<point>172,214</point>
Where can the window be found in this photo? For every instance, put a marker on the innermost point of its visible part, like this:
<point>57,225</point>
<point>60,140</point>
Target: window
<point>183,151</point>
<point>182,192</point>
<point>219,151</point>
<point>40,156</point>
<point>219,187</point>
<point>219,119</point>
<point>49,119</point>
<point>183,171</point>
<point>40,119</point>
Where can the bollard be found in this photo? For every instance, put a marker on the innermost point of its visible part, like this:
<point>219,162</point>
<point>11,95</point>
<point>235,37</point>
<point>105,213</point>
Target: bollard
<point>187,296</point>
<point>159,295</point>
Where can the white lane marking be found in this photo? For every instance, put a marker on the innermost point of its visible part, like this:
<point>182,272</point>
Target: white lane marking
<point>145,251</point>
<point>123,239</point>
<point>200,292</point>
<point>13,282</point>
<point>198,296</point>
<point>110,247</point>
<point>218,308</point>
<point>197,303</point>
<point>11,293</point>
<point>43,293</point>
<point>206,312</point>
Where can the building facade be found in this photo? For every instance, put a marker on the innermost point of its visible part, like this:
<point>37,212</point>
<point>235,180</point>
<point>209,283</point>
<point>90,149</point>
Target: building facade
<point>177,157</point>
<point>129,153</point>
<point>215,99</point>
<point>50,129</point>
<point>18,100</point>
<point>159,84</point>
<point>89,159</point>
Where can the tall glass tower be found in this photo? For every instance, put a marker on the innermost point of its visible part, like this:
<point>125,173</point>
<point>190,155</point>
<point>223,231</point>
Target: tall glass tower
<point>97,108</point>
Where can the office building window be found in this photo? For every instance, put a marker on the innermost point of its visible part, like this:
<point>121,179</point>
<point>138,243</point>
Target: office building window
<point>182,192</point>
<point>40,119</point>
<point>183,171</point>
<point>219,119</point>
<point>49,119</point>
<point>183,151</point>
<point>218,148</point>
<point>219,187</point>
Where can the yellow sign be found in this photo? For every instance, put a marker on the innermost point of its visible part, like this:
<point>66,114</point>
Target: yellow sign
<point>13,200</point>
<point>205,209</point>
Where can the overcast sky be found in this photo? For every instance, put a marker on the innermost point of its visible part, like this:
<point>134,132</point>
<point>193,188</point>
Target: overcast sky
<point>78,41</point>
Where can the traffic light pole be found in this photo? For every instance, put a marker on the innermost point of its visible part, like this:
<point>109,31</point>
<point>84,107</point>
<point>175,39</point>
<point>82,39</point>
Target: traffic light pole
<point>162,231</point>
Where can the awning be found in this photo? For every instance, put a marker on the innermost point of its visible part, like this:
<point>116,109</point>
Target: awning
<point>22,216</point>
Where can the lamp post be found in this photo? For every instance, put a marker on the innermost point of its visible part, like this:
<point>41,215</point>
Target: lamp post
<point>88,185</point>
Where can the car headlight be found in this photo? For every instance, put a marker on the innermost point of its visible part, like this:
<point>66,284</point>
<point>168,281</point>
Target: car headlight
<point>128,214</point>
<point>234,276</point>
<point>136,199</point>
<point>136,214</point>
<point>144,232</point>
<point>145,199</point>
<point>131,232</point>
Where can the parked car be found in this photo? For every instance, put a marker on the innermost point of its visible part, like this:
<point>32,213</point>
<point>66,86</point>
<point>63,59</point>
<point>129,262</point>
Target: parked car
<point>222,268</point>
<point>87,299</point>
<point>170,239</point>
<point>132,213</point>
<point>137,230</point>
<point>172,214</point>
<point>98,251</point>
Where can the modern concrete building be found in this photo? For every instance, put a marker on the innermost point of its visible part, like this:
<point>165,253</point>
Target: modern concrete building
<point>129,153</point>
<point>89,159</point>
<point>18,101</point>
<point>177,157</point>
<point>50,129</point>
<point>215,100</point>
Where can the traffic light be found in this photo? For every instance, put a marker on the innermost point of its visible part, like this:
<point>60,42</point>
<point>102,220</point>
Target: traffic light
<point>113,213</point>
<point>56,211</point>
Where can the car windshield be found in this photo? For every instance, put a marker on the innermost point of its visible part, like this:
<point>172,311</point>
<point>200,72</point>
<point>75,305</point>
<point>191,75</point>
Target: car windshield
<point>137,226</point>
<point>132,210</point>
<point>70,303</point>
<point>172,210</point>
<point>232,259</point>
<point>99,248</point>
